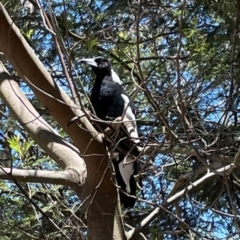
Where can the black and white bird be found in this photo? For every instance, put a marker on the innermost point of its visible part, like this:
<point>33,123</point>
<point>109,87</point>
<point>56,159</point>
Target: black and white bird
<point>110,101</point>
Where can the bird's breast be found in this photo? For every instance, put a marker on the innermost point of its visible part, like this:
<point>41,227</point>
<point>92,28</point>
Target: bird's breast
<point>107,106</point>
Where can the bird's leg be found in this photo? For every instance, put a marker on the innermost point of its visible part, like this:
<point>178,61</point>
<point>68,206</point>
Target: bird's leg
<point>130,127</point>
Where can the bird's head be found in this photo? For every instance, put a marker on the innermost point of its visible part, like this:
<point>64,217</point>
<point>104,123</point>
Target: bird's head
<point>100,65</point>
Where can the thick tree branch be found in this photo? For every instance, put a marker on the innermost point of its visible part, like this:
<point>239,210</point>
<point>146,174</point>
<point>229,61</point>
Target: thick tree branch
<point>65,154</point>
<point>15,48</point>
<point>98,187</point>
<point>65,178</point>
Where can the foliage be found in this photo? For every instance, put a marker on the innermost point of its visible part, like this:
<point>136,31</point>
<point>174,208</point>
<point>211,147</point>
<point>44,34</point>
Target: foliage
<point>182,59</point>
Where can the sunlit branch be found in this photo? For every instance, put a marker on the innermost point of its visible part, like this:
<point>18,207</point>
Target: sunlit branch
<point>67,177</point>
<point>167,202</point>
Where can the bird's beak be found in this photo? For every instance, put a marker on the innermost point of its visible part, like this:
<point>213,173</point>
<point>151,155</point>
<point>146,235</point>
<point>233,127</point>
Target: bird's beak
<point>89,61</point>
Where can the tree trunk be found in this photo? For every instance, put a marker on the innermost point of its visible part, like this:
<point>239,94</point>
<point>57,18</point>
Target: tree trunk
<point>99,193</point>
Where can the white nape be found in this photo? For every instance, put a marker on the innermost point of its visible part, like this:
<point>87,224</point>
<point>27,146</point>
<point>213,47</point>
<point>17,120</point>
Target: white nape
<point>115,77</point>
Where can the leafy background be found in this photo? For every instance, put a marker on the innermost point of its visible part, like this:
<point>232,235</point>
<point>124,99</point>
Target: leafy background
<point>182,59</point>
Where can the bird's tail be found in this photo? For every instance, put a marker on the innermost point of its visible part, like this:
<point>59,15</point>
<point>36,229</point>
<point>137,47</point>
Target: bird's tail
<point>125,169</point>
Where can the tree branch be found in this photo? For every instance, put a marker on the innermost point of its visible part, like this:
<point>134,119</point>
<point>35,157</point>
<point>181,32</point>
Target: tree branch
<point>65,154</point>
<point>66,178</point>
<point>21,56</point>
<point>225,170</point>
<point>184,148</point>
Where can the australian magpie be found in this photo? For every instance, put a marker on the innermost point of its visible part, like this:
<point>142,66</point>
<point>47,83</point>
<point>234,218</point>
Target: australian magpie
<point>110,101</point>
